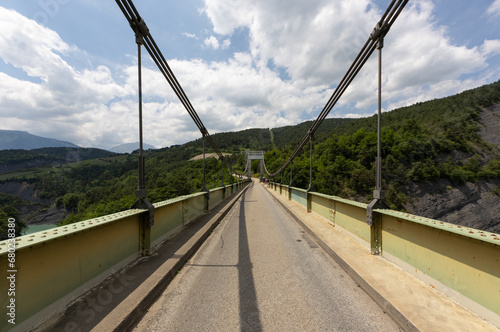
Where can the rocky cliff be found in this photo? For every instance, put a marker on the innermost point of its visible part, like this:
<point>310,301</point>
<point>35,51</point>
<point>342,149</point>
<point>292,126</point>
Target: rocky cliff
<point>475,205</point>
<point>35,210</point>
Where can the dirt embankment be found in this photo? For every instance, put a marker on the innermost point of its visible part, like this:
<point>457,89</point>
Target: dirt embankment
<point>209,155</point>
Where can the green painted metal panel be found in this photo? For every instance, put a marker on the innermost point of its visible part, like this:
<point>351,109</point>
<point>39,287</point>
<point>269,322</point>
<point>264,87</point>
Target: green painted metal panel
<point>464,263</point>
<point>193,207</point>
<point>215,197</point>
<point>300,196</point>
<point>325,207</point>
<point>168,217</point>
<point>57,262</point>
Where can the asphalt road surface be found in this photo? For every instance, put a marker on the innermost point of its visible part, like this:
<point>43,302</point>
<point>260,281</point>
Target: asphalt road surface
<point>259,271</point>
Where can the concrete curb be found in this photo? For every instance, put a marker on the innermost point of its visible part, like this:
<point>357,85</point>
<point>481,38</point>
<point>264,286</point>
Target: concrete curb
<point>130,311</point>
<point>396,315</point>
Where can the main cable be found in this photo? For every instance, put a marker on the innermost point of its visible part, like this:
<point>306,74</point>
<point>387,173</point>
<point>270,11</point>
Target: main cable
<point>381,29</point>
<point>139,27</point>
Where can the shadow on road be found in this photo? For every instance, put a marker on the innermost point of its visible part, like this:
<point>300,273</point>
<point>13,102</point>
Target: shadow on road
<point>249,310</point>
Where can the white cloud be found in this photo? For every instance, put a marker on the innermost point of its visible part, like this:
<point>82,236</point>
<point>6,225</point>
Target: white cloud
<point>63,95</point>
<point>189,35</point>
<point>211,42</point>
<point>491,47</point>
<point>228,15</point>
<point>89,107</point>
<point>494,8</point>
<point>226,43</point>
<point>309,39</point>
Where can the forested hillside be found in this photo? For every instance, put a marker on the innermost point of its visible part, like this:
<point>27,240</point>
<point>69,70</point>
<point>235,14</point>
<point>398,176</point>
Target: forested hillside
<point>432,152</point>
<point>433,146</point>
<point>11,160</point>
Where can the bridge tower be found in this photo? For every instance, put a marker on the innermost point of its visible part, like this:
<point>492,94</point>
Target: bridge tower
<point>255,155</point>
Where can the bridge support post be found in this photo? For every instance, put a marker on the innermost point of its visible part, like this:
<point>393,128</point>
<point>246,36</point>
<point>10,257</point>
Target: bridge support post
<point>249,167</point>
<point>207,192</point>
<point>308,192</point>
<point>374,219</point>
<point>147,218</point>
<point>222,181</point>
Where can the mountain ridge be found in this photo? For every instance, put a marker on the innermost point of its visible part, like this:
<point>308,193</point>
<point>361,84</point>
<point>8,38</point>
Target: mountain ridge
<point>17,139</point>
<point>130,147</point>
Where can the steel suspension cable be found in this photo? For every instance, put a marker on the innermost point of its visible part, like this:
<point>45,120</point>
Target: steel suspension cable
<point>379,32</point>
<point>139,27</point>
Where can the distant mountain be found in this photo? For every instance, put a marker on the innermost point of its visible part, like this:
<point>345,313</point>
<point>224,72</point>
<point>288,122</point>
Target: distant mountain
<point>14,159</point>
<point>16,139</point>
<point>130,147</point>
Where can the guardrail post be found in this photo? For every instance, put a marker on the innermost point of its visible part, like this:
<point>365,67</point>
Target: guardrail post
<point>145,235</point>
<point>376,234</point>
<point>207,200</point>
<point>309,201</point>
<point>281,184</point>
<point>308,192</point>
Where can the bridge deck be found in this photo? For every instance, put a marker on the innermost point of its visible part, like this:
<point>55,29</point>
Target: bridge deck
<point>260,271</point>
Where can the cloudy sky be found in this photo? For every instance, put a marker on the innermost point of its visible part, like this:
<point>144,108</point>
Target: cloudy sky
<point>68,68</point>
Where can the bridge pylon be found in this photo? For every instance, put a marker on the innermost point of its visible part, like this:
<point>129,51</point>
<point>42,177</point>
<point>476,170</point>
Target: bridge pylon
<point>255,155</point>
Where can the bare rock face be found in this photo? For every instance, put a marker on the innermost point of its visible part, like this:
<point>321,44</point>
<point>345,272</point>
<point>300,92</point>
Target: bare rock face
<point>37,210</point>
<point>23,190</point>
<point>475,205</point>
<point>47,216</point>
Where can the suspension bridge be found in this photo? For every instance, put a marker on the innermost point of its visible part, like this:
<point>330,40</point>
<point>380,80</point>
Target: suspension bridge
<point>251,255</point>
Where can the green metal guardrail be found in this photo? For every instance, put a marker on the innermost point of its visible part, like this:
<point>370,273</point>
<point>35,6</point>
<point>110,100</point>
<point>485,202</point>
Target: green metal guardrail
<point>54,267</point>
<point>462,262</point>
